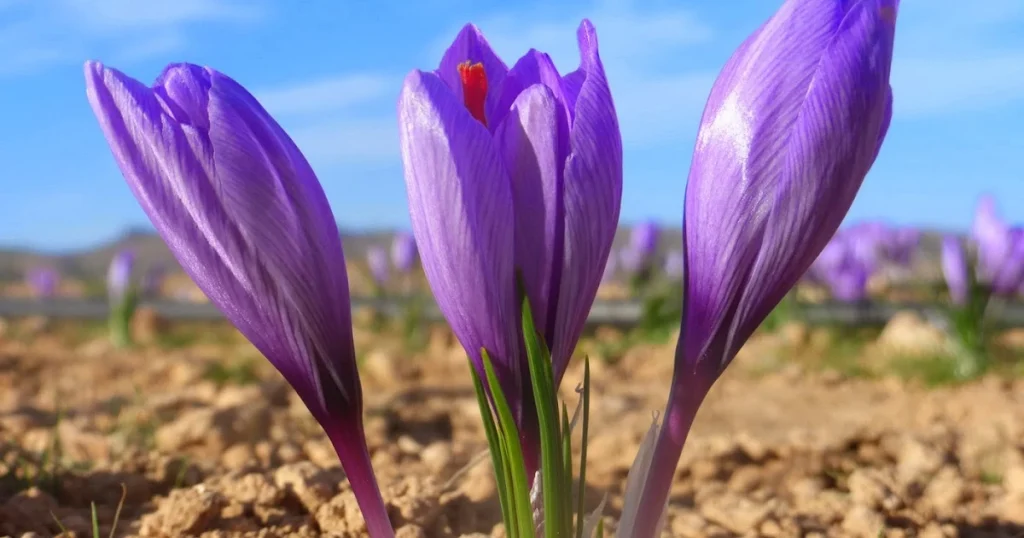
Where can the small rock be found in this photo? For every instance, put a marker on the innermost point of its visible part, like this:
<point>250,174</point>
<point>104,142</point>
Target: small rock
<point>410,531</point>
<point>945,490</point>
<point>437,457</point>
<point>917,461</point>
<point>907,333</point>
<point>688,525</point>
<point>866,488</point>
<point>863,521</point>
<point>184,512</point>
<point>1014,481</point>
<point>734,513</point>
<point>311,485</point>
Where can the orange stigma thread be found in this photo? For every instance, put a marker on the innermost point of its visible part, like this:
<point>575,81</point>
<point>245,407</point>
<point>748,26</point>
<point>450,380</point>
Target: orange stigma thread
<point>474,88</point>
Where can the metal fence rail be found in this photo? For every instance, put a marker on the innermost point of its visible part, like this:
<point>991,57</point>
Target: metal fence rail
<point>622,313</point>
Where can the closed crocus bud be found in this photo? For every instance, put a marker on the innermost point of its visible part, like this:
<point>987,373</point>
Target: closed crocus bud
<point>377,260</point>
<point>793,124</point>
<point>244,214</point>
<point>954,268</point>
<point>512,171</point>
<point>403,252</point>
<point>119,274</point>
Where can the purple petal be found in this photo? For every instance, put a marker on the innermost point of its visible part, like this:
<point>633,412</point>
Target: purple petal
<point>534,142</point>
<point>533,68</point>
<point>954,268</point>
<point>243,213</point>
<point>470,46</point>
<point>788,134</point>
<point>592,198</point>
<point>460,202</point>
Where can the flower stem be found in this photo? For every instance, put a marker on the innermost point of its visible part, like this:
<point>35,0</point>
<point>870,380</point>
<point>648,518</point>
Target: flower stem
<point>350,445</point>
<point>683,401</point>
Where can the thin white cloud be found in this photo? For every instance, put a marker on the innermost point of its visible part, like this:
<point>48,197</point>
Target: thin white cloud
<point>955,57</point>
<point>45,33</point>
<point>117,15</point>
<point>925,87</point>
<point>348,141</point>
<point>328,94</point>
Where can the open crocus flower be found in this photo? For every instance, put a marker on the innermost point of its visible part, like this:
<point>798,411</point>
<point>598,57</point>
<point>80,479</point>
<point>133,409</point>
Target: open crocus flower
<point>792,126</point>
<point>512,171</point>
<point>243,213</point>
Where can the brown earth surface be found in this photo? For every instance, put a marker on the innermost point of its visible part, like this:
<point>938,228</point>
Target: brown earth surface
<point>203,438</point>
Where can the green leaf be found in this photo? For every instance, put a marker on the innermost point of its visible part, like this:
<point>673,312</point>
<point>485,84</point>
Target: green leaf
<point>583,449</point>
<point>513,453</point>
<point>546,398</point>
<point>497,458</point>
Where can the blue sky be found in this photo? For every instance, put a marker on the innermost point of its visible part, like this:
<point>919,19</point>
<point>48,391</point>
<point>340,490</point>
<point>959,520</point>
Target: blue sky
<point>330,72</point>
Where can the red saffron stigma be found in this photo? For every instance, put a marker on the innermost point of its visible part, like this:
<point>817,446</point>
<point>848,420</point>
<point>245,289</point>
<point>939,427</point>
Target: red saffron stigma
<point>474,88</point>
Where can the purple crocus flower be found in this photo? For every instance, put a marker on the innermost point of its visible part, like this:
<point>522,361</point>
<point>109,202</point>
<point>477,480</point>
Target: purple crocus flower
<point>631,259</point>
<point>403,252</point>
<point>377,259</point>
<point>954,268</point>
<point>119,275</point>
<point>512,171</point>
<point>793,124</point>
<point>675,264</point>
<point>43,281</point>
<point>900,244</point>
<point>242,211</point>
<point>848,283</point>
<point>1000,249</point>
<point>644,238</point>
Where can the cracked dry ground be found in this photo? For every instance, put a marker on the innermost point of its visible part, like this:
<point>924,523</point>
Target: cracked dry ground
<point>207,440</point>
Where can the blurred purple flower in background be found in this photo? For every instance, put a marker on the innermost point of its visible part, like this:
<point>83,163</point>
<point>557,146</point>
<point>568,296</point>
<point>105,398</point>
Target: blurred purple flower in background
<point>1000,250</point>
<point>900,244</point>
<point>119,275</point>
<point>675,262</point>
<point>955,270</point>
<point>43,281</point>
<point>643,238</point>
<point>377,260</point>
<point>153,280</point>
<point>632,260</point>
<point>512,171</point>
<point>793,124</point>
<point>242,211</point>
<point>404,252</point>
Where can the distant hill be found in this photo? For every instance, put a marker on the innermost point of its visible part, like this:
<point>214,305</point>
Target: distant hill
<point>150,250</point>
